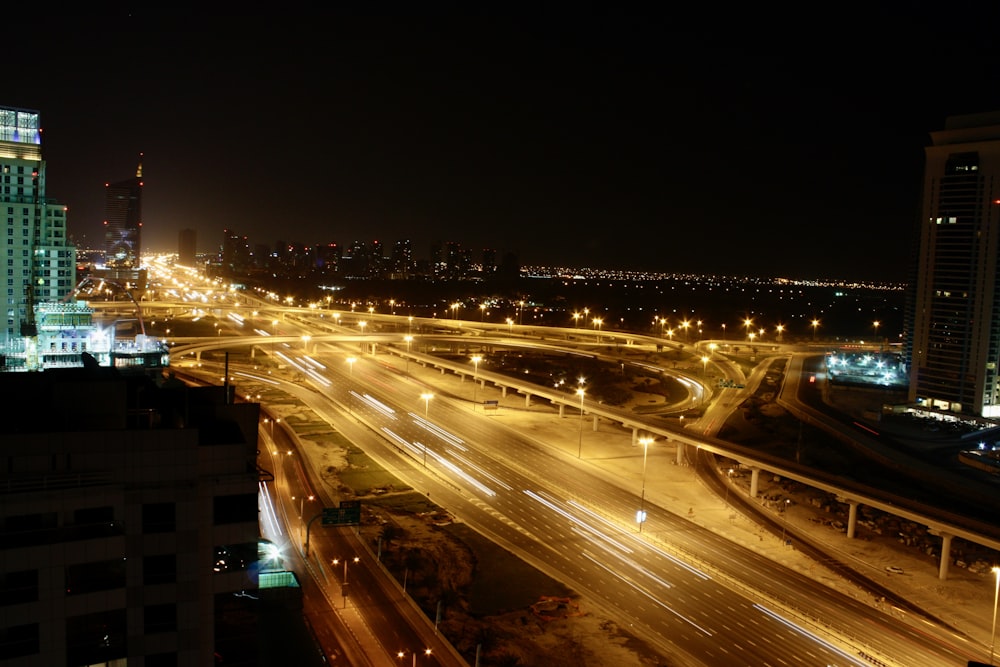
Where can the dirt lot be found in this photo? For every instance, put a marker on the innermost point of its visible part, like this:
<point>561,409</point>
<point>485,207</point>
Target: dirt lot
<point>536,622</point>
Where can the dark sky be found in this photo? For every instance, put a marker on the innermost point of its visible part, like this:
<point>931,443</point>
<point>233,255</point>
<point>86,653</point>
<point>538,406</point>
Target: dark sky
<point>650,141</point>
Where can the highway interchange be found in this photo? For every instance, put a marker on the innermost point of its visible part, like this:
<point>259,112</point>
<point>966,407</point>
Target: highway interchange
<point>683,588</point>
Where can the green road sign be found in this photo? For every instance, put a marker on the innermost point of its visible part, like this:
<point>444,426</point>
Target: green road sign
<point>349,513</point>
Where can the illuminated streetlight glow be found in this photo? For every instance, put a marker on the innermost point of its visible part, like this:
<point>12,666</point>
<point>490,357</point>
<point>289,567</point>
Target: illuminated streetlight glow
<point>815,324</point>
<point>579,447</point>
<point>641,516</point>
<point>996,598</point>
<point>475,378</point>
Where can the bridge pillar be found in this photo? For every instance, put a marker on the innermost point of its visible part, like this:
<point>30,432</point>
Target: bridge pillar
<point>197,355</point>
<point>852,516</point>
<point>562,409</point>
<point>635,435</point>
<point>527,400</point>
<point>754,481</point>
<point>679,456</point>
<point>596,420</point>
<point>503,392</point>
<point>945,553</point>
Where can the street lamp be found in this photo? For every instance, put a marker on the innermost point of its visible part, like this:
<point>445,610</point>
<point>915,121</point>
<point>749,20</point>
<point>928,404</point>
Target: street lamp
<point>875,327</point>
<point>427,398</point>
<point>402,654</point>
<point>597,325</point>
<point>748,323</point>
<point>482,312</point>
<point>302,504</point>
<point>723,332</point>
<point>510,326</point>
<point>704,366</point>
<point>475,378</point>
<point>576,320</point>
<point>343,587</point>
<point>815,323</point>
<point>454,310</point>
<point>305,342</point>
<point>784,512</point>
<point>996,598</point>
<point>579,447</point>
<point>409,339</point>
<point>350,363</point>
<point>641,516</point>
<point>780,329</point>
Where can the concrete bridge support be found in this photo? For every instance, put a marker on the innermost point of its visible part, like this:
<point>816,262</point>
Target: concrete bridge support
<point>754,481</point>
<point>945,562</point>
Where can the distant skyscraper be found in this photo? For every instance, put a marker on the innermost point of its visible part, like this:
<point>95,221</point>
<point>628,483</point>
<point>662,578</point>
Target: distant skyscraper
<point>187,247</point>
<point>40,261</point>
<point>123,221</point>
<point>954,350</point>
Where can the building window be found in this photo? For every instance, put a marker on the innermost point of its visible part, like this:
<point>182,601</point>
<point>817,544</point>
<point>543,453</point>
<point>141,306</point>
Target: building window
<point>97,638</point>
<point>99,576</point>
<point>18,587</point>
<point>17,641</point>
<point>159,618</point>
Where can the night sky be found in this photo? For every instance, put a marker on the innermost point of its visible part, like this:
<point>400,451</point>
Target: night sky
<point>649,142</point>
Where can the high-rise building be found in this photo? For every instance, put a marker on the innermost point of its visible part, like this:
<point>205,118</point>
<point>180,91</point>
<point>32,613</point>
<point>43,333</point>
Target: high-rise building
<point>187,247</point>
<point>40,260</point>
<point>123,221</point>
<point>954,348</point>
<point>129,522</point>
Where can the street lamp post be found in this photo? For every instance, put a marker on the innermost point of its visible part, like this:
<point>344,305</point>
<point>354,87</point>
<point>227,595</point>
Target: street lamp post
<point>579,447</point>
<point>784,512</point>
<point>996,598</point>
<point>402,654</point>
<point>409,339</point>
<point>815,323</point>
<point>475,378</point>
<point>343,587</point>
<point>641,516</point>
<point>427,398</point>
<point>704,366</point>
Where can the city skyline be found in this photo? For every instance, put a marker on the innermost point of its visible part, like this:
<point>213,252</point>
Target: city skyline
<point>604,141</point>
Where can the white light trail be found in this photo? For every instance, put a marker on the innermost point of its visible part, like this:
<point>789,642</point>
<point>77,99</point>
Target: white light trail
<point>267,509</point>
<point>258,378</point>
<point>482,472</point>
<point>439,432</point>
<point>652,598</point>
<point>651,547</point>
<point>806,633</point>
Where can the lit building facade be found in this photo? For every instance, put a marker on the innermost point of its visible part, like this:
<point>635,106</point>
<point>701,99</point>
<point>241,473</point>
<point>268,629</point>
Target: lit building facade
<point>123,222</point>
<point>954,348</point>
<point>39,260</point>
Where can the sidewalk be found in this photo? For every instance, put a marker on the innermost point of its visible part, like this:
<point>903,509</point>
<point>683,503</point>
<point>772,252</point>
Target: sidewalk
<point>965,600</point>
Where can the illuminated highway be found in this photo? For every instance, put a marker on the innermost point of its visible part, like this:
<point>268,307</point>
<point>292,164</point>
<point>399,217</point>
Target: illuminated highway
<point>678,585</point>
